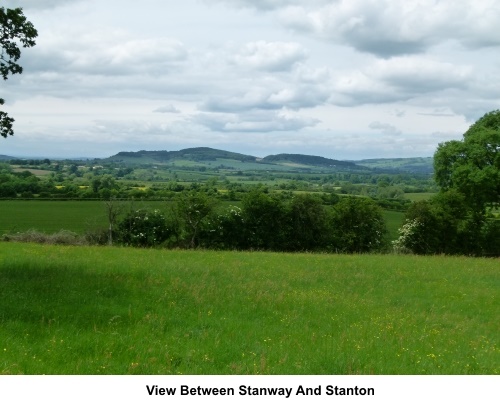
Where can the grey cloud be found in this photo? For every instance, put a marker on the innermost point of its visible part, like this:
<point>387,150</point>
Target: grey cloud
<point>387,129</point>
<point>437,113</point>
<point>399,79</point>
<point>254,122</point>
<point>387,28</point>
<point>38,4</point>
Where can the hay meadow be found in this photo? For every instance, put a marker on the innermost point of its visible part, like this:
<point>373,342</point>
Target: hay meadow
<point>102,310</point>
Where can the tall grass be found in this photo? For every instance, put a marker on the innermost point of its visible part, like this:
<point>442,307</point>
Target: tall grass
<point>90,310</point>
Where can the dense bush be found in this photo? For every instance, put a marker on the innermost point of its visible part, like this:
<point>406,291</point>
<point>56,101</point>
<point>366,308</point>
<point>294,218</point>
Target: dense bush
<point>143,228</point>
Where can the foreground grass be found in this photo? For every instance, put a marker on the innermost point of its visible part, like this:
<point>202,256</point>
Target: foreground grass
<point>87,310</point>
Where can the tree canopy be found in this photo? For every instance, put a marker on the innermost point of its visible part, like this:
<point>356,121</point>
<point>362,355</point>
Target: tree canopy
<point>472,165</point>
<point>15,31</point>
<point>460,219</point>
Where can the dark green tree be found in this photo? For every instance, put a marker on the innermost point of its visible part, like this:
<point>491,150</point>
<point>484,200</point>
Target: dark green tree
<point>15,31</point>
<point>308,224</point>
<point>265,219</point>
<point>472,165</point>
<point>357,226</point>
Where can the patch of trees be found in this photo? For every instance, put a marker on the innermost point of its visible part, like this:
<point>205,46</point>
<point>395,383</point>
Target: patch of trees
<point>264,221</point>
<point>462,218</point>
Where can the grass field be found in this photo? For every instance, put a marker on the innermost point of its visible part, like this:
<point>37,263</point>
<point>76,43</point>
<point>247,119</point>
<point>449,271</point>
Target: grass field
<point>90,310</point>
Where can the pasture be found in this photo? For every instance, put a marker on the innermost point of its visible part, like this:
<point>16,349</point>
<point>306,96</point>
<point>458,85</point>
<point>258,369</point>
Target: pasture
<point>101,310</point>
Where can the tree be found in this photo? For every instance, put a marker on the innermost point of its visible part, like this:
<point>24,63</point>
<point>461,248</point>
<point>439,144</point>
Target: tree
<point>357,225</point>
<point>472,165</point>
<point>308,224</point>
<point>265,221</point>
<point>14,29</point>
<point>193,209</point>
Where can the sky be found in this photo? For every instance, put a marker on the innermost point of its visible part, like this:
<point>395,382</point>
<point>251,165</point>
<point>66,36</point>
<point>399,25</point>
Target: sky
<point>343,79</point>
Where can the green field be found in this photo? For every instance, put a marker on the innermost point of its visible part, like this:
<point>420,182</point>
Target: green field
<point>52,216</point>
<point>97,310</point>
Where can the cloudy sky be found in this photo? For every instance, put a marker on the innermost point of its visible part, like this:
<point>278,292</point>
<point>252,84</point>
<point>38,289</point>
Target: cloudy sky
<point>345,79</point>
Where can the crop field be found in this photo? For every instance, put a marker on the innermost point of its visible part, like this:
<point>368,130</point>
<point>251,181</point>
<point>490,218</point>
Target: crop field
<point>101,310</point>
<point>52,216</point>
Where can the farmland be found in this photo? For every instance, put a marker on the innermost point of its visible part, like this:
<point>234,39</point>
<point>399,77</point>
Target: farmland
<point>91,310</point>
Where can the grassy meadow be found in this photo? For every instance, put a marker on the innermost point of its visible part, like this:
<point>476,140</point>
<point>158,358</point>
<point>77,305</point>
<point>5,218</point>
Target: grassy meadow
<point>101,310</point>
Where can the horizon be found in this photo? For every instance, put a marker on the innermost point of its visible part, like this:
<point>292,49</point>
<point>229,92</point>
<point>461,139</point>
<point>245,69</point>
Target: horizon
<point>195,147</point>
<point>347,80</point>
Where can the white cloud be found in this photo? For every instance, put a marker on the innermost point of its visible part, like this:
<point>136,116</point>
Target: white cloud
<point>262,121</point>
<point>167,109</point>
<point>270,56</point>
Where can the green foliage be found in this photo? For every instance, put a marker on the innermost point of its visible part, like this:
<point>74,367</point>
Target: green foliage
<point>193,210</point>
<point>143,228</point>
<point>264,218</point>
<point>445,225</point>
<point>358,226</point>
<point>14,28</point>
<point>472,166</point>
<point>308,224</point>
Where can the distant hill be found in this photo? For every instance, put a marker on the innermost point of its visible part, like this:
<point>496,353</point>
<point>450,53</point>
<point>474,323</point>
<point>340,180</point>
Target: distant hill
<point>196,154</point>
<point>307,160</point>
<point>4,157</point>
<point>424,165</point>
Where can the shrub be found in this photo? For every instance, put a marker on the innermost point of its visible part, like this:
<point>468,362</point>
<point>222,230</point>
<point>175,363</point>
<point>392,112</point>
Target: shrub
<point>143,228</point>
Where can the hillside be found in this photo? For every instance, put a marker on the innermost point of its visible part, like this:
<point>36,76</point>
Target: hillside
<point>307,160</point>
<point>424,165</point>
<point>195,154</point>
<point>4,157</point>
<point>204,154</point>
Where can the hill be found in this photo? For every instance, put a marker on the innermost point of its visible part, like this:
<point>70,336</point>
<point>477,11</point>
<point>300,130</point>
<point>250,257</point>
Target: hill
<point>204,154</point>
<point>196,154</point>
<point>307,160</point>
<point>424,165</point>
<point>4,157</point>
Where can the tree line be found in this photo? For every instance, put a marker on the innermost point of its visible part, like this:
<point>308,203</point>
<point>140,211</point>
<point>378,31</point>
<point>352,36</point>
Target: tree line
<point>263,221</point>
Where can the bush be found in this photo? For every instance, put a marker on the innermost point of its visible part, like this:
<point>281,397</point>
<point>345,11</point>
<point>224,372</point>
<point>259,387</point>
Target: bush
<point>143,228</point>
